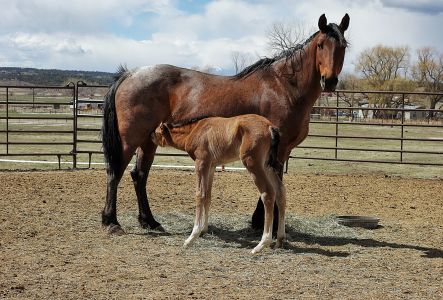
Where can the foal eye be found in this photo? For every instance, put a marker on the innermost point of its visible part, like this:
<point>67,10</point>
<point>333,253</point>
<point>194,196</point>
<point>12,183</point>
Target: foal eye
<point>320,46</point>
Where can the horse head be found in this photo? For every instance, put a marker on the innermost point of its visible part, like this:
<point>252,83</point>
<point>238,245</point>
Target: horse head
<point>330,53</point>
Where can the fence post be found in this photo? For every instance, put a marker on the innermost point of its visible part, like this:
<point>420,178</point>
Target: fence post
<point>74,135</point>
<point>7,120</point>
<point>402,127</point>
<point>336,129</point>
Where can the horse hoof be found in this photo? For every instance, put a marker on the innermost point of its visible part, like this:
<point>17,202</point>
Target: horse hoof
<point>279,243</point>
<point>255,251</point>
<point>116,230</point>
<point>159,228</point>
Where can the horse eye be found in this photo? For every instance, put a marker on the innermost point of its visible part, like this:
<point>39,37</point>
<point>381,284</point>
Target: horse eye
<point>320,46</point>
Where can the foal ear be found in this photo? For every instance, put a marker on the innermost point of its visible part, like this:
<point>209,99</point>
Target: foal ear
<point>344,23</point>
<point>323,23</point>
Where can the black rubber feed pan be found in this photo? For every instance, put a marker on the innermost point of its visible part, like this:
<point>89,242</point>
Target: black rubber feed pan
<point>358,221</point>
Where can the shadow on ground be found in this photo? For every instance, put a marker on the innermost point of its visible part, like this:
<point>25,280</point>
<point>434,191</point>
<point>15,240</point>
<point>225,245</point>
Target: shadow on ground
<point>235,232</point>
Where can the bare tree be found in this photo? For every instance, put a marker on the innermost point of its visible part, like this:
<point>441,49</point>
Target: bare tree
<point>428,71</point>
<point>349,82</point>
<point>382,65</point>
<point>385,68</point>
<point>239,60</point>
<point>283,36</point>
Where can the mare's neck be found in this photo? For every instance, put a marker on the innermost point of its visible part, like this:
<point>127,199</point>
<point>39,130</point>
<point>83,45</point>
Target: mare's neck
<point>300,72</point>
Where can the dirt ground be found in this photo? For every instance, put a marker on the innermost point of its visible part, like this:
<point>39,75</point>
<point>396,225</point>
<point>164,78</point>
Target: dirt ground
<point>52,244</point>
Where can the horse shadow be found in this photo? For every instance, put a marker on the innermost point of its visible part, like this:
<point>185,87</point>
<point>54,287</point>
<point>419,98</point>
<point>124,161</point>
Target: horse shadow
<point>248,238</point>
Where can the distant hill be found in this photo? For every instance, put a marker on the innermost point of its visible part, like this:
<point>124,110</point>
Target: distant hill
<point>30,76</point>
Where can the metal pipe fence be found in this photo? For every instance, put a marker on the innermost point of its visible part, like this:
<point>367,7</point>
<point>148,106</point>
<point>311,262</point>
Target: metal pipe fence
<point>36,121</point>
<point>393,115</point>
<point>345,126</point>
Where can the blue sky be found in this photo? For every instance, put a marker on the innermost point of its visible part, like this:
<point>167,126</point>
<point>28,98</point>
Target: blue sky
<point>101,34</point>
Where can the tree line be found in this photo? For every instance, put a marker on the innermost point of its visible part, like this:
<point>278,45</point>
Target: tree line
<point>386,68</point>
<point>31,76</point>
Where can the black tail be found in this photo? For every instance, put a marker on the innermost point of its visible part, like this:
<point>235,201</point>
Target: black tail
<point>273,150</point>
<point>112,145</point>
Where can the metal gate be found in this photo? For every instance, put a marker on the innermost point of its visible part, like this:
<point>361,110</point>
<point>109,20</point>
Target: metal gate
<point>48,121</point>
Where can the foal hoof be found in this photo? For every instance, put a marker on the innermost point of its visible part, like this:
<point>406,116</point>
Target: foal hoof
<point>116,230</point>
<point>279,244</point>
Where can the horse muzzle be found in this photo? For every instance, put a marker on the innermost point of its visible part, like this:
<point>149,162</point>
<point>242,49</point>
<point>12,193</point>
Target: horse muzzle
<point>328,84</point>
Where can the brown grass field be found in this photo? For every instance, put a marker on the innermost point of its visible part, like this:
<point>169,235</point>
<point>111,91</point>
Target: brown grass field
<point>52,244</point>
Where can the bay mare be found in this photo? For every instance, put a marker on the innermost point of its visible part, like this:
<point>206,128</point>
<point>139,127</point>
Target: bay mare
<point>283,89</point>
<point>213,141</point>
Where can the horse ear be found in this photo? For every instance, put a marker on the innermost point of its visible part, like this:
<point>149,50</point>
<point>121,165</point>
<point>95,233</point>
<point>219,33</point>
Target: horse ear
<point>165,127</point>
<point>344,23</point>
<point>323,23</point>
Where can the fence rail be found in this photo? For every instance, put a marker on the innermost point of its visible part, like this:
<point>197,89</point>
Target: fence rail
<point>35,120</point>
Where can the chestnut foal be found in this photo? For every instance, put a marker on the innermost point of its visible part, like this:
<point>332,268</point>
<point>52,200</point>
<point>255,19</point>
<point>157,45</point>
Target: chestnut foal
<point>214,141</point>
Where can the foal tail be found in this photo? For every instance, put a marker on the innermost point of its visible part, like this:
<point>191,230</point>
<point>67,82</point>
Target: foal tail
<point>273,150</point>
<point>112,145</point>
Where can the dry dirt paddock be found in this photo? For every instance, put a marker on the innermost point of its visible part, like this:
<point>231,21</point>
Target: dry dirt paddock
<point>52,245</point>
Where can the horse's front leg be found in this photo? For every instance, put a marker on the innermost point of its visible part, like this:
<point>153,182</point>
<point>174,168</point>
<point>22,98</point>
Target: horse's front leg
<point>202,196</point>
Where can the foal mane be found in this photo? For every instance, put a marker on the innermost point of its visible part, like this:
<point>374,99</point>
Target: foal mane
<point>288,54</point>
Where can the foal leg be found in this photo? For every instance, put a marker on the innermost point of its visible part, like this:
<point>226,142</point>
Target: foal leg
<point>257,220</point>
<point>202,169</point>
<point>267,195</point>
<point>139,174</point>
<point>208,199</point>
<point>268,198</point>
<point>281,204</point>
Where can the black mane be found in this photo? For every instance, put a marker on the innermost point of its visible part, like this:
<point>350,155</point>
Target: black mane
<point>264,63</point>
<point>122,71</point>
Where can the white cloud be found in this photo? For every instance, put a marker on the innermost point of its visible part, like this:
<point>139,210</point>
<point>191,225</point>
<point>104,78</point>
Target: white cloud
<point>98,35</point>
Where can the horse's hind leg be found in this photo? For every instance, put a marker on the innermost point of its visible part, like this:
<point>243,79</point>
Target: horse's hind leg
<point>203,179</point>
<point>139,174</point>
<point>109,213</point>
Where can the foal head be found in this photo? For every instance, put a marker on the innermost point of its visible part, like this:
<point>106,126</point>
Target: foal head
<point>331,46</point>
<point>160,134</point>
